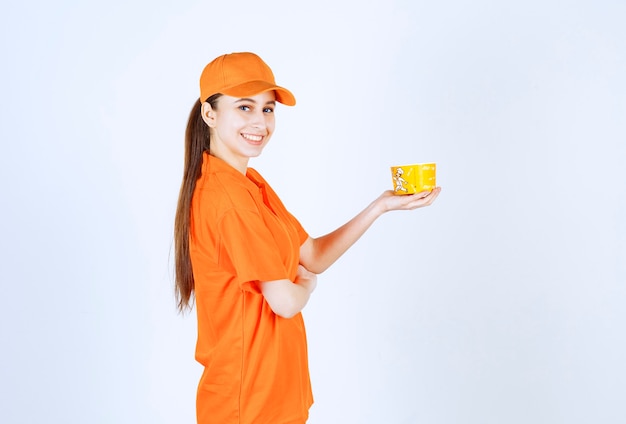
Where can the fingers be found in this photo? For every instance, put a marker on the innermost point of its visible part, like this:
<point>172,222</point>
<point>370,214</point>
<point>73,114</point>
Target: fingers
<point>423,194</point>
<point>425,198</point>
<point>393,201</point>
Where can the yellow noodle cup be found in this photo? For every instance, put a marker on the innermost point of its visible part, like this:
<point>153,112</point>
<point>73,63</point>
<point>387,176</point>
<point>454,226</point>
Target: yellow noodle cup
<point>409,179</point>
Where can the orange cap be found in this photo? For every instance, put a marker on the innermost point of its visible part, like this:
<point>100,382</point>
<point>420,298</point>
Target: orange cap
<point>240,75</point>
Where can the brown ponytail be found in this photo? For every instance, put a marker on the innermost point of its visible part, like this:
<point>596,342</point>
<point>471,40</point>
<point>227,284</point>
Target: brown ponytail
<point>197,141</point>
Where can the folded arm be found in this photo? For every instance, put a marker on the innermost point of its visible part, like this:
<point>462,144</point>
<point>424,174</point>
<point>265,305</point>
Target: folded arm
<point>287,298</point>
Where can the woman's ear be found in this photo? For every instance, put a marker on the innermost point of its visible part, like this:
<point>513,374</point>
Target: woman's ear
<point>208,114</point>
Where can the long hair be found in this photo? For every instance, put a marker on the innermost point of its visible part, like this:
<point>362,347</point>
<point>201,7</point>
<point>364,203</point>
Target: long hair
<point>197,141</point>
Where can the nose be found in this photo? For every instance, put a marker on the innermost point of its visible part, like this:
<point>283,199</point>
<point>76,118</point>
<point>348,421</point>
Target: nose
<point>260,120</point>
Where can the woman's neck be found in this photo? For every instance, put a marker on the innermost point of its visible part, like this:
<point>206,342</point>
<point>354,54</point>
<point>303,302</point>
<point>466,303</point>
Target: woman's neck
<point>239,163</point>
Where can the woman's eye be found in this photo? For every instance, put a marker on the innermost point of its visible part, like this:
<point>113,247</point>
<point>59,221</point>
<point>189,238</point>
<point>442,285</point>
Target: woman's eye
<point>244,108</point>
<point>268,110</point>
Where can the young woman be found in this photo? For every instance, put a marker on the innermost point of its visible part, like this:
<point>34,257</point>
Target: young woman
<point>246,260</point>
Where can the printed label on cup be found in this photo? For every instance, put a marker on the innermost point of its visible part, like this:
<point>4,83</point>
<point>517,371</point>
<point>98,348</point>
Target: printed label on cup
<point>409,179</point>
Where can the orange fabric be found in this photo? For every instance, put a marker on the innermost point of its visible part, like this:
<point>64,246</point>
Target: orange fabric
<point>241,75</point>
<point>255,362</point>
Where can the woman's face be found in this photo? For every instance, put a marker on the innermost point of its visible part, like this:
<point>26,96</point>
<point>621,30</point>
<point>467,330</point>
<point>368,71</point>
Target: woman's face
<point>240,127</point>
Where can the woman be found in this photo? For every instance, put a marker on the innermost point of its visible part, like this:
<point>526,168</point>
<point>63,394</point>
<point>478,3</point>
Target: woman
<point>246,260</point>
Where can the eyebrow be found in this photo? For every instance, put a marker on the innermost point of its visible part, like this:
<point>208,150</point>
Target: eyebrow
<point>247,99</point>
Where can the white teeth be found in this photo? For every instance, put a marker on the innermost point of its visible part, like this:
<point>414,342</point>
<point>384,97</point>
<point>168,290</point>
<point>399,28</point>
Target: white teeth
<point>252,137</point>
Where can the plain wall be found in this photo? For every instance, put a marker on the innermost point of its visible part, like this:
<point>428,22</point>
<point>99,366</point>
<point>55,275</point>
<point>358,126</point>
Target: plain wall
<point>501,303</point>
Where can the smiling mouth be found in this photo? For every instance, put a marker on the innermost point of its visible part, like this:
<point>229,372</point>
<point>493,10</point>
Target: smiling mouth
<point>252,137</point>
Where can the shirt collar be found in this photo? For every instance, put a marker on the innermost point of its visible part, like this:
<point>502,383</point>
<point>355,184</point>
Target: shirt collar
<point>215,165</point>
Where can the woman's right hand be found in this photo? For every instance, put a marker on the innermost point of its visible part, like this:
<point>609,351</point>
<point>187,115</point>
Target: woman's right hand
<point>393,202</point>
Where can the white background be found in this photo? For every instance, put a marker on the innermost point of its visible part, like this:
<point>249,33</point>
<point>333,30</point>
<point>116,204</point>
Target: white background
<point>501,303</point>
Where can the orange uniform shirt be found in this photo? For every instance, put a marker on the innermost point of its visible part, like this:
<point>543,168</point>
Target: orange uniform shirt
<point>255,362</point>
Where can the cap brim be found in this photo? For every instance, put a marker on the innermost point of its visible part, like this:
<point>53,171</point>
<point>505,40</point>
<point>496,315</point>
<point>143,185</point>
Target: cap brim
<point>252,88</point>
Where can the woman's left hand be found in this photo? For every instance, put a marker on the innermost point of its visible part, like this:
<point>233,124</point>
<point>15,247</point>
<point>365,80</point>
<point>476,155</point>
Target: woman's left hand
<point>394,202</point>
